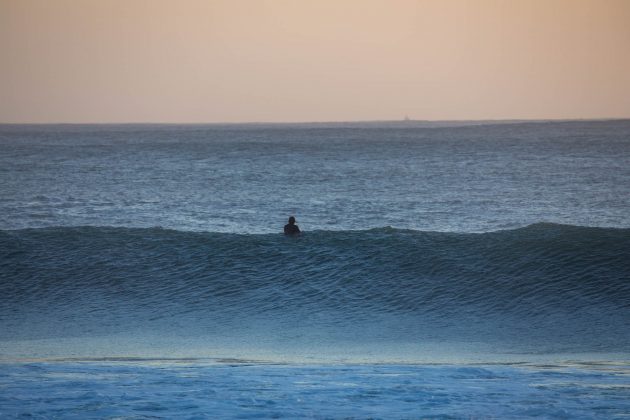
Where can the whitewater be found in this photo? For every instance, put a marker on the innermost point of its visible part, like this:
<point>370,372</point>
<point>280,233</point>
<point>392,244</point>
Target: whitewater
<point>445,270</point>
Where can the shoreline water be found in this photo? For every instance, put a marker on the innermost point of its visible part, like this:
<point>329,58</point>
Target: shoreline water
<point>112,389</point>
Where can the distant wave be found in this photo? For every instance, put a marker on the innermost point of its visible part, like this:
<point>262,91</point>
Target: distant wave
<point>546,274</point>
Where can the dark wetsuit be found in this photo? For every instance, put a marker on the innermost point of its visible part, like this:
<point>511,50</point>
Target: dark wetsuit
<point>290,229</point>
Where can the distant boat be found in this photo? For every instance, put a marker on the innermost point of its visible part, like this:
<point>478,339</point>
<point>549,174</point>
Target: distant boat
<point>406,118</point>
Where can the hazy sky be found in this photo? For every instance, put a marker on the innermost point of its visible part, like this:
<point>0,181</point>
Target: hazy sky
<point>319,60</point>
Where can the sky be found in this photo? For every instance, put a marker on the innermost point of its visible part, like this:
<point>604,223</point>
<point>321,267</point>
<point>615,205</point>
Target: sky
<point>80,61</point>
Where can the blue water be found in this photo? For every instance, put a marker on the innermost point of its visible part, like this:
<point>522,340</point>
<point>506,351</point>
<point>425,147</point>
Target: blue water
<point>197,389</point>
<point>446,269</point>
<point>249,178</point>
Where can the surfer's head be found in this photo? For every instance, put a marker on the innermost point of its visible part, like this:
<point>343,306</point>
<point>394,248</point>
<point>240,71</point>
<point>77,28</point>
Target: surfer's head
<point>291,220</point>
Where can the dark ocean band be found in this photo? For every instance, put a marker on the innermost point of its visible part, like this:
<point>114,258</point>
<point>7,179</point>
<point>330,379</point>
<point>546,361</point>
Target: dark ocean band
<point>540,283</point>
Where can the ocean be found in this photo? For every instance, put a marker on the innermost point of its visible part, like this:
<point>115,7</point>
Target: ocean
<point>445,270</point>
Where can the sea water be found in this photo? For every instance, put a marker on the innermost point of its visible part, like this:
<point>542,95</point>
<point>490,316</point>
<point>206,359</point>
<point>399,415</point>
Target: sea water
<point>445,270</point>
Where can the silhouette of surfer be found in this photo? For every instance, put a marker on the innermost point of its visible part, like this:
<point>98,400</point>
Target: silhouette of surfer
<point>291,228</point>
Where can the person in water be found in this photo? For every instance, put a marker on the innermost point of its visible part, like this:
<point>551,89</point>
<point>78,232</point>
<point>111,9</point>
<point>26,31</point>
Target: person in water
<point>291,228</point>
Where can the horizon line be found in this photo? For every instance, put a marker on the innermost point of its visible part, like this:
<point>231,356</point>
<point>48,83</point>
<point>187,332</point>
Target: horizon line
<point>397,121</point>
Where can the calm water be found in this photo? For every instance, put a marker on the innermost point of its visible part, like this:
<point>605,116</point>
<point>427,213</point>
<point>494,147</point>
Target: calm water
<point>332,177</point>
<point>498,252</point>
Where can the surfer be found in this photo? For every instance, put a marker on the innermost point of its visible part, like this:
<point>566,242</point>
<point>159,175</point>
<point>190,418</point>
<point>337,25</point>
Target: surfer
<point>291,228</point>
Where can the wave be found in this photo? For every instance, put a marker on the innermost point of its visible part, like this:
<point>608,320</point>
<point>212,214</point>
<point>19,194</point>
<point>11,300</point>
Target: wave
<point>562,279</point>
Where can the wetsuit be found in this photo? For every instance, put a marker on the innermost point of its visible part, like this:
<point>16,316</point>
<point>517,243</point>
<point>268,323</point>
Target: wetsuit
<point>290,229</point>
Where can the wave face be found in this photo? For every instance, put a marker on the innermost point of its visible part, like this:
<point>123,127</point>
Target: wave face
<point>545,287</point>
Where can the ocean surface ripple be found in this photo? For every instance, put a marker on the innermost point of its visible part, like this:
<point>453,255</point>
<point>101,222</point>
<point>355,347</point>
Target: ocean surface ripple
<point>546,287</point>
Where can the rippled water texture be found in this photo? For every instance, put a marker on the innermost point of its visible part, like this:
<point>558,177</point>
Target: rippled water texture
<point>249,178</point>
<point>242,390</point>
<point>446,270</point>
<point>541,289</point>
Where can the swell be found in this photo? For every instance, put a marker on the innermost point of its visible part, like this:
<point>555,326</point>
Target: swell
<point>103,277</point>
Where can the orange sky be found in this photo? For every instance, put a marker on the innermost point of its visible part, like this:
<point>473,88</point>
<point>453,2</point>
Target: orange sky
<point>320,60</point>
